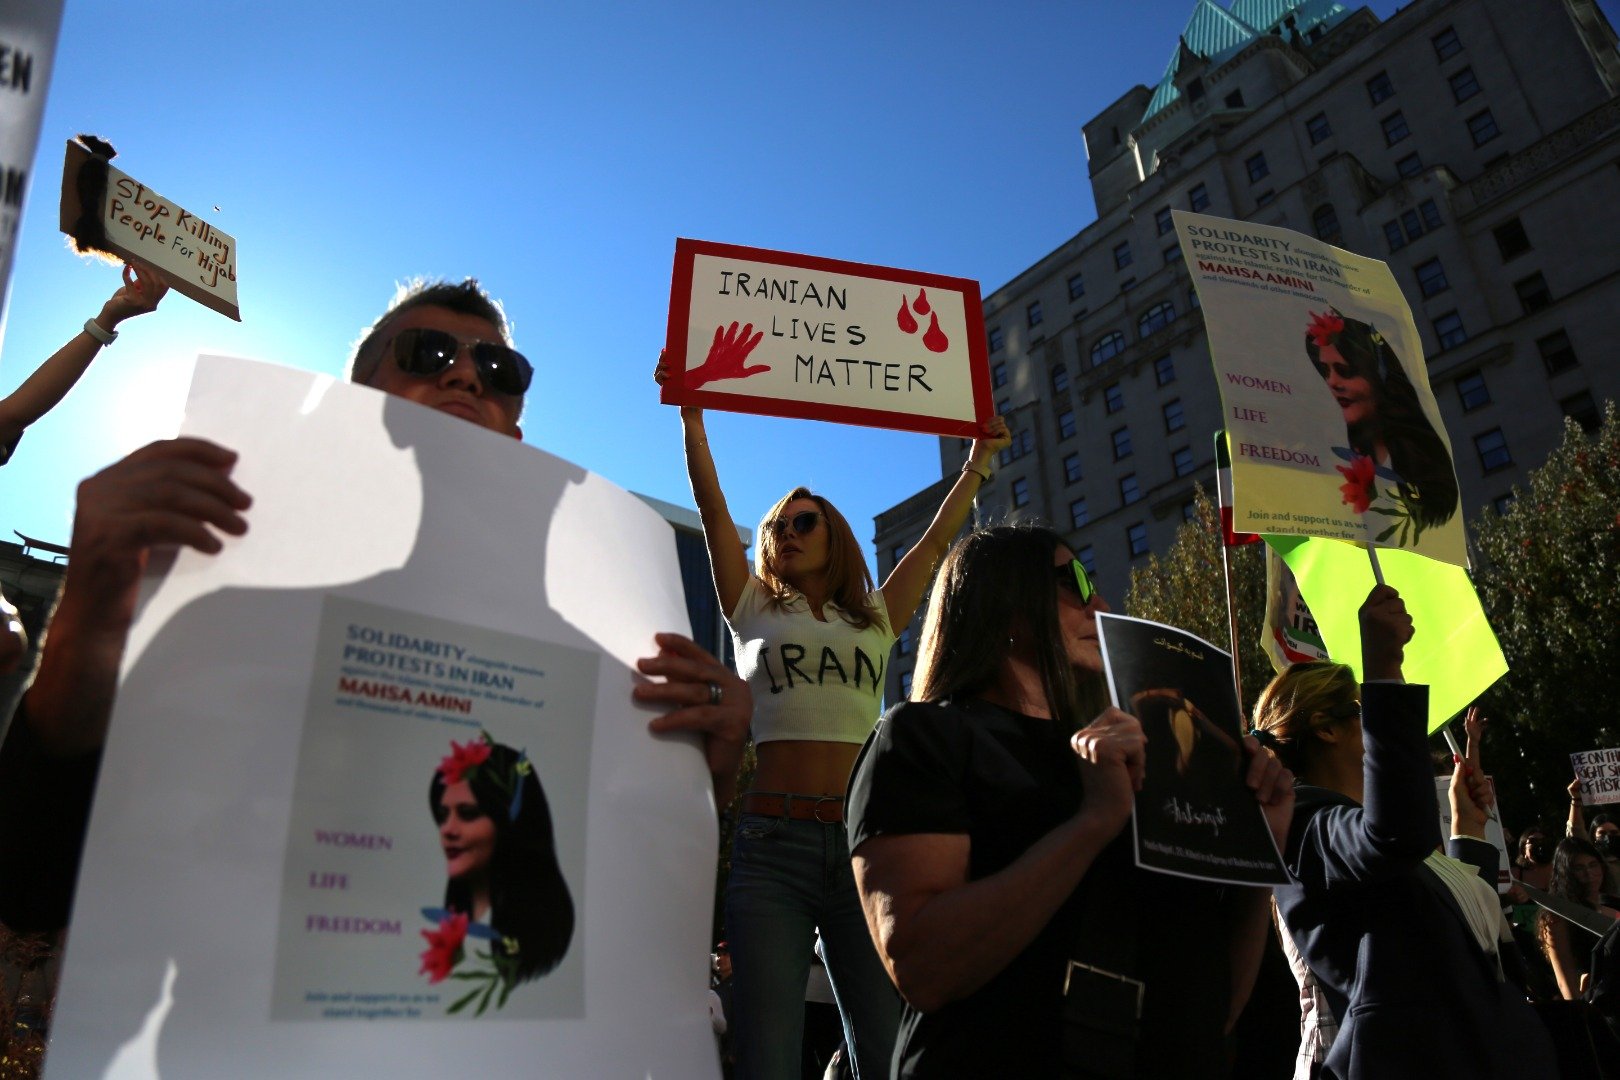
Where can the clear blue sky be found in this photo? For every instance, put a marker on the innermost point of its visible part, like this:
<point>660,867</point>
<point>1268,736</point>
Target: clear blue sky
<point>556,151</point>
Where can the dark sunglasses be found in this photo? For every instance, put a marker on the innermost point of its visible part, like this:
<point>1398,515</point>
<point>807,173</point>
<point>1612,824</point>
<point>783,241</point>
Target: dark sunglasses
<point>425,352</point>
<point>1073,576</point>
<point>803,523</point>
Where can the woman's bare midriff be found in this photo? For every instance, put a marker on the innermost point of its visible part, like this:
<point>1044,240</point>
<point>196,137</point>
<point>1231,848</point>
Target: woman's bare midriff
<point>801,767</point>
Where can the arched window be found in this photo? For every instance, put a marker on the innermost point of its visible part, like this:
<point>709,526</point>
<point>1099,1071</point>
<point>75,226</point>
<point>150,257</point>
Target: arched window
<point>1326,222</point>
<point>1107,347</point>
<point>1156,318</point>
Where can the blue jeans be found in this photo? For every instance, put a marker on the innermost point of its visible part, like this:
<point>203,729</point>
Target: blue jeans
<point>787,879</point>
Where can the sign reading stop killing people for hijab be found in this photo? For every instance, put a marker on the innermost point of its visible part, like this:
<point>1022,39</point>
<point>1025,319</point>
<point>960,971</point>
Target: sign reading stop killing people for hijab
<point>1335,432</point>
<point>797,335</point>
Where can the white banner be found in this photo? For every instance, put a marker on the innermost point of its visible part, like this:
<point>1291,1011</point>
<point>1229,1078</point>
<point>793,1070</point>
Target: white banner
<point>28,30</point>
<point>331,739</point>
<point>1599,774</point>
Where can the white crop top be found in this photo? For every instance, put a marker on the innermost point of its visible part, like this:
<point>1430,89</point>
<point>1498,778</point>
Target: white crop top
<point>813,680</point>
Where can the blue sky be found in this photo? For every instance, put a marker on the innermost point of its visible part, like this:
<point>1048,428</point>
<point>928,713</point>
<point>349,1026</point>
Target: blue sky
<point>556,151</point>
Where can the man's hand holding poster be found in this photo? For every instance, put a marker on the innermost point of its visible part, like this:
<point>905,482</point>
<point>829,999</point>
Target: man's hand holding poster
<point>795,335</point>
<point>1335,432</point>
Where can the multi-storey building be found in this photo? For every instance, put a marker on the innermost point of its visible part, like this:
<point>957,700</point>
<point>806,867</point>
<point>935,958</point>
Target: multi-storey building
<point>1472,144</point>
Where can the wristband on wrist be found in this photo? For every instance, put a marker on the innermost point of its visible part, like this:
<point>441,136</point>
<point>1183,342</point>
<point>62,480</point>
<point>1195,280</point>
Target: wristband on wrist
<point>94,329</point>
<point>983,475</point>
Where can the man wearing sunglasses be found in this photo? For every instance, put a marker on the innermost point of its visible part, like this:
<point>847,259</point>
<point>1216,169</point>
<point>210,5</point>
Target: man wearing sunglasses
<point>444,346</point>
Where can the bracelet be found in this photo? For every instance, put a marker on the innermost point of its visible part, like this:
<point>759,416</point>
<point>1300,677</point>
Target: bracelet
<point>967,467</point>
<point>93,328</point>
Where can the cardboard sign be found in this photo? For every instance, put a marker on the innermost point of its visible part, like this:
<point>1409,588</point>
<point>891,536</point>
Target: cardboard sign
<point>1493,829</point>
<point>1599,774</point>
<point>796,335</point>
<point>1325,393</point>
<point>133,222</point>
<point>28,32</point>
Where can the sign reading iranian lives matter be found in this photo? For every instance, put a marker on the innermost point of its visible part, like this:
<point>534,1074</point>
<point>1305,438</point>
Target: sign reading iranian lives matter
<point>1335,432</point>
<point>796,335</point>
<point>105,209</point>
<point>1599,774</point>
<point>1195,816</point>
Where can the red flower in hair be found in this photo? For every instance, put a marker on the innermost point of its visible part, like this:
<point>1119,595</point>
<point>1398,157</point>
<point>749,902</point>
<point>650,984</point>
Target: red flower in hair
<point>444,947</point>
<point>1357,490</point>
<point>462,756</point>
<point>1324,329</point>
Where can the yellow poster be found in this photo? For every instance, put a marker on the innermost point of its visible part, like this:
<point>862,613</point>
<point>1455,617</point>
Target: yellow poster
<point>1335,432</point>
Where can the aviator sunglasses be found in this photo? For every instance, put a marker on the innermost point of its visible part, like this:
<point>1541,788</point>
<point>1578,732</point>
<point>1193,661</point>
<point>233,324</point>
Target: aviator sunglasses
<point>1072,576</point>
<point>425,352</point>
<point>803,523</point>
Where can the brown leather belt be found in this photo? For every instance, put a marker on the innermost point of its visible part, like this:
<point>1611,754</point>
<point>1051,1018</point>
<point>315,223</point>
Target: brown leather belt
<point>827,809</point>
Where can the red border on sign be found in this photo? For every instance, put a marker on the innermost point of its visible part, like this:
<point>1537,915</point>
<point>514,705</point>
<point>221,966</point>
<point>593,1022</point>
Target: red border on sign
<point>680,310</point>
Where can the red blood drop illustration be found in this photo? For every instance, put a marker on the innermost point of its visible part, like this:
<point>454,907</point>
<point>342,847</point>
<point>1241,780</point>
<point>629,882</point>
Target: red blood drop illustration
<point>935,339</point>
<point>908,325</point>
<point>920,305</point>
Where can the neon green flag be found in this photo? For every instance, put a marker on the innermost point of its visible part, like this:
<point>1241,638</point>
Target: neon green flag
<point>1453,648</point>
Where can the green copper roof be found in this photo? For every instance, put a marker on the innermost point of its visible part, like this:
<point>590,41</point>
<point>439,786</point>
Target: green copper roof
<point>1217,34</point>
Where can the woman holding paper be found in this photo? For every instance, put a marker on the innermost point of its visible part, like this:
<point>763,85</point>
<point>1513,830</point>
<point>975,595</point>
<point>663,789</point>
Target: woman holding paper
<point>813,638</point>
<point>988,821</point>
<point>1406,945</point>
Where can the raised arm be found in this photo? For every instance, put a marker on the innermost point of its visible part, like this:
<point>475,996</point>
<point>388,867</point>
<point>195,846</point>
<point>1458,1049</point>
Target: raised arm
<point>1576,825</point>
<point>903,589</point>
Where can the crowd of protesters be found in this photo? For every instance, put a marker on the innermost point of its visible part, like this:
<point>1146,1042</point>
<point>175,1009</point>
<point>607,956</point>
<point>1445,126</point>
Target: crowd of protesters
<point>958,872</point>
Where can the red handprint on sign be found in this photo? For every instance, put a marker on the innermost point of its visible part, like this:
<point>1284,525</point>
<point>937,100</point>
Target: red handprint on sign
<point>727,356</point>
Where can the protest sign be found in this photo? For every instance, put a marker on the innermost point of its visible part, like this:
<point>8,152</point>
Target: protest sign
<point>1493,829</point>
<point>331,738</point>
<point>28,31</point>
<point>1290,635</point>
<point>1599,774</point>
<point>105,209</point>
<point>1195,816</point>
<point>796,335</point>
<point>1335,432</point>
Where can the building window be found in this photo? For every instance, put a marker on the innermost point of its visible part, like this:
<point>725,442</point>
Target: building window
<point>1393,236</point>
<point>1077,286</point>
<point>1060,380</point>
<point>1493,450</point>
<point>1122,254</point>
<point>1164,370</point>
<point>1182,461</point>
<point>1128,491</point>
<point>1113,398</point>
<point>1071,469</point>
<point>897,553</point>
<point>1003,406</point>
<point>1472,391</point>
<point>1189,511</point>
<point>1198,198</point>
<point>1033,313</point>
<point>904,642</point>
<point>1088,559</point>
<point>1079,515</point>
<point>1325,220</point>
<point>1195,90</point>
<point>1163,221</point>
<point>1156,318</point>
<point>1448,329</point>
<point>1431,214</point>
<point>1410,165</point>
<point>1258,169</point>
<point>1431,278</point>
<point>1066,424</point>
<point>1502,503</point>
<point>1192,299</point>
<point>1234,100</point>
<point>1511,239</point>
<point>1395,128</point>
<point>1265,198</point>
<point>1583,410</point>
<point>1174,418</point>
<point>1022,444</point>
<point>905,684</point>
<point>1482,126</point>
<point>1107,347</point>
<point>997,340</point>
<point>1464,85</point>
<point>1127,285</point>
<point>1533,294</point>
<point>998,374</point>
<point>1446,44</point>
<point>1379,88</point>
<point>1557,354</point>
<point>1122,443</point>
<point>1318,128</point>
<point>1136,538</point>
<point>1020,491</point>
<point>1170,253</point>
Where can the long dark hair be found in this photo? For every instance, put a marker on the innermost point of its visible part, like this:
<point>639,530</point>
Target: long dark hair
<point>1416,451</point>
<point>1563,881</point>
<point>996,584</point>
<point>528,899</point>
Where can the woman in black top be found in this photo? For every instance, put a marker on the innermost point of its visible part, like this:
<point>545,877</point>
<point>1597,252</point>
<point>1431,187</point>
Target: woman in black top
<point>986,834</point>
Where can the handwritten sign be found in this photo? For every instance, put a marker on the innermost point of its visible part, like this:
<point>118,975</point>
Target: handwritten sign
<point>106,209</point>
<point>1493,828</point>
<point>1599,774</point>
<point>1335,431</point>
<point>796,335</point>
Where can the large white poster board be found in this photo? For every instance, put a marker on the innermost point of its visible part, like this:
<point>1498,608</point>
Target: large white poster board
<point>269,840</point>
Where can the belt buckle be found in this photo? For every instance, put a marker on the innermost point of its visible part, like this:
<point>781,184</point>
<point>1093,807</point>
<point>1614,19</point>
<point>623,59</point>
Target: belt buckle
<point>815,810</point>
<point>1141,987</point>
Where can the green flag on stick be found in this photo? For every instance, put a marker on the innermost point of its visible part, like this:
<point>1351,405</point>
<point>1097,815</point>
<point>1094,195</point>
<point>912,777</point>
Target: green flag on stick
<point>1453,648</point>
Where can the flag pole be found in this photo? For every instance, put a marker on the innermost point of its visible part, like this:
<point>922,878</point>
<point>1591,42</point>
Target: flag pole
<point>1378,571</point>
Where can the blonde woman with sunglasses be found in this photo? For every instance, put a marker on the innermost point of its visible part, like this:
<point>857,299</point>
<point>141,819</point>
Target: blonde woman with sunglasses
<point>813,638</point>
